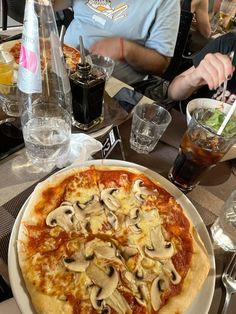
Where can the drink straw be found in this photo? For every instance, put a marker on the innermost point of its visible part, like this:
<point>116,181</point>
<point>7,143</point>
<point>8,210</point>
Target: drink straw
<point>227,117</point>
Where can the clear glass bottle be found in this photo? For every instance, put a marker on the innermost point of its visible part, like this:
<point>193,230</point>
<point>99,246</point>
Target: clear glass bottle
<point>44,87</point>
<point>87,89</point>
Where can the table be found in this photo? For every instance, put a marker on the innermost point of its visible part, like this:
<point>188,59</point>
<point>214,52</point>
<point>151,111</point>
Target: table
<point>208,197</point>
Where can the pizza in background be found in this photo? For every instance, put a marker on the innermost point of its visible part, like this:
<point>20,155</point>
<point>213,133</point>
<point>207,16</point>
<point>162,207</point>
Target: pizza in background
<point>72,55</point>
<point>109,239</point>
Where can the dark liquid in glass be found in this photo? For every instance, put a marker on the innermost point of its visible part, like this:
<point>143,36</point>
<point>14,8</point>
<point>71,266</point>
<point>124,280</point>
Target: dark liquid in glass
<point>191,162</point>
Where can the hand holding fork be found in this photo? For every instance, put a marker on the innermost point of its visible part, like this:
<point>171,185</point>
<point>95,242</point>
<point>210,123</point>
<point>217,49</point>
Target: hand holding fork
<point>231,56</point>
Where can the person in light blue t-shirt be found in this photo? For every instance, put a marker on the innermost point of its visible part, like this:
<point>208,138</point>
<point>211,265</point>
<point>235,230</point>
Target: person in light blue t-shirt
<point>139,35</point>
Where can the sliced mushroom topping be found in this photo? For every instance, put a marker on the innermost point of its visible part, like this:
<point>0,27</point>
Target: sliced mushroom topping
<point>79,212</point>
<point>169,267</point>
<point>107,281</point>
<point>159,285</point>
<point>135,228</point>
<point>77,262</point>
<point>109,200</point>
<point>139,274</point>
<point>134,213</point>
<point>118,303</point>
<point>106,310</point>
<point>61,216</point>
<point>66,203</point>
<point>129,251</point>
<point>160,249</point>
<point>129,280</point>
<point>112,219</point>
<point>140,191</point>
<point>133,218</point>
<point>105,252</point>
<point>93,245</point>
<point>143,294</point>
<point>93,206</point>
<point>97,304</point>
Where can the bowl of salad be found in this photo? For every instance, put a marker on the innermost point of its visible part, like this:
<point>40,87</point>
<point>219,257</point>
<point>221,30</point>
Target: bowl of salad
<point>219,110</point>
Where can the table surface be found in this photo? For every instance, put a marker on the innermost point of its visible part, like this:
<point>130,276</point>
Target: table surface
<point>208,197</point>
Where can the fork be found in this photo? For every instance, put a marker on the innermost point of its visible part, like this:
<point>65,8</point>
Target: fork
<point>229,281</point>
<point>231,56</point>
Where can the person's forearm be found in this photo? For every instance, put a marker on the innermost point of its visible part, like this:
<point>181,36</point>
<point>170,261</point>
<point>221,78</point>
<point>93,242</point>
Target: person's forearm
<point>145,59</point>
<point>204,28</point>
<point>60,4</point>
<point>182,86</point>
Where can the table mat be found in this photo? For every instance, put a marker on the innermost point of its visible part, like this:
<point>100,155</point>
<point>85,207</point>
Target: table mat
<point>8,214</point>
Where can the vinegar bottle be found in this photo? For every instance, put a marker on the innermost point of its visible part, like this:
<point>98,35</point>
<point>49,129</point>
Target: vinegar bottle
<point>44,87</point>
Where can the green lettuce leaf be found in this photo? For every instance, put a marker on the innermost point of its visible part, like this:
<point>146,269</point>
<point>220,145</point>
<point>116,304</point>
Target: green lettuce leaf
<point>216,119</point>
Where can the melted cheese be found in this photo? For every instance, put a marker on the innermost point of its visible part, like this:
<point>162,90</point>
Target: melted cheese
<point>97,222</point>
<point>81,195</point>
<point>127,200</point>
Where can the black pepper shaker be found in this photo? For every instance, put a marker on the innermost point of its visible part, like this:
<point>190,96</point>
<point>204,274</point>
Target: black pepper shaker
<point>87,88</point>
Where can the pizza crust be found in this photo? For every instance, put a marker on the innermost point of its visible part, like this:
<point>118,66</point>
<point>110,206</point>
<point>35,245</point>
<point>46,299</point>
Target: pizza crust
<point>46,304</point>
<point>196,276</point>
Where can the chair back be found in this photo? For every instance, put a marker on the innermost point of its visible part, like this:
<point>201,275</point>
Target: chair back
<point>14,9</point>
<point>186,17</point>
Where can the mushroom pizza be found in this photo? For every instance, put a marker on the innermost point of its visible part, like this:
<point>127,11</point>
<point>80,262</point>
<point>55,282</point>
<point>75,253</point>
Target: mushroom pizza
<point>108,240</point>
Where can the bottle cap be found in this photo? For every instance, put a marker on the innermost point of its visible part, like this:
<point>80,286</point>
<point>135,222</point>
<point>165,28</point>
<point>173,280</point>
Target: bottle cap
<point>83,69</point>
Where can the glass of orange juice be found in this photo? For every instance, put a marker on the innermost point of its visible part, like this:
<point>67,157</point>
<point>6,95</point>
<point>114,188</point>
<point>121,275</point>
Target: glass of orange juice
<point>6,67</point>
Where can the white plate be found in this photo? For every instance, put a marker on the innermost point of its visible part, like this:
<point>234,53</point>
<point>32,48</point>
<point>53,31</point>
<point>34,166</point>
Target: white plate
<point>202,301</point>
<point>9,44</point>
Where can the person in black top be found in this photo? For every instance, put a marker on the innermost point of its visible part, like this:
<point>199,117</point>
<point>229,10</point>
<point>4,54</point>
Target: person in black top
<point>211,66</point>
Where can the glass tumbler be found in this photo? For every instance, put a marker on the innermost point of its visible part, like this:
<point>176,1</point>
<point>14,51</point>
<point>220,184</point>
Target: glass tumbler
<point>148,125</point>
<point>200,149</point>
<point>224,228</point>
<point>103,64</point>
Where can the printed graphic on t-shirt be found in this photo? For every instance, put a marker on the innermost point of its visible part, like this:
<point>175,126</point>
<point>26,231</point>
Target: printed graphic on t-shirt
<point>229,97</point>
<point>105,7</point>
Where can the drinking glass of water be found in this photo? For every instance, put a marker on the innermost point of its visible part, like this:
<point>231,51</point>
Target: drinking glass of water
<point>149,123</point>
<point>224,228</point>
<point>46,130</point>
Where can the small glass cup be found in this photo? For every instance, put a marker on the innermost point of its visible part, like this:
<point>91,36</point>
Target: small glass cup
<point>9,99</point>
<point>224,228</point>
<point>148,125</point>
<point>103,64</point>
<point>227,11</point>
<point>200,149</point>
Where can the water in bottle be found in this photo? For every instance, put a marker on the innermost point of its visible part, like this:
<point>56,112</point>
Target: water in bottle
<point>44,87</point>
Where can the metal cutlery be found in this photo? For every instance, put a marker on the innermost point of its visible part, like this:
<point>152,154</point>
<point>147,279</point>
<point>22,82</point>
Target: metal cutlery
<point>229,281</point>
<point>231,56</point>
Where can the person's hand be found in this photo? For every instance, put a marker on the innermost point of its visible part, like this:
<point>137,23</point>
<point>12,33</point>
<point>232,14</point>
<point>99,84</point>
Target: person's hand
<point>110,47</point>
<point>213,70</point>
